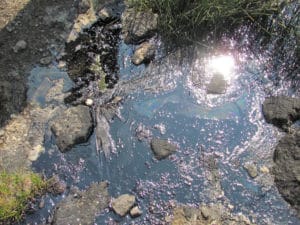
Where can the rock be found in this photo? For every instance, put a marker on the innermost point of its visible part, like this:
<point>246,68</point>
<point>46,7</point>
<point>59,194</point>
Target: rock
<point>20,45</point>
<point>55,186</point>
<point>206,214</point>
<point>162,148</point>
<point>89,102</point>
<point>264,169</point>
<point>138,26</point>
<point>251,169</point>
<point>123,204</point>
<point>82,208</point>
<point>42,203</point>
<point>73,126</point>
<point>135,212</point>
<point>217,85</point>
<point>35,152</point>
<point>106,14</point>
<point>281,110</point>
<point>143,54</point>
<point>287,168</point>
<point>61,64</point>
<point>83,6</point>
<point>85,20</point>
<point>46,60</point>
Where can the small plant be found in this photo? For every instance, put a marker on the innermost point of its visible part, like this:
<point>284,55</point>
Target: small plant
<point>189,19</point>
<point>16,189</point>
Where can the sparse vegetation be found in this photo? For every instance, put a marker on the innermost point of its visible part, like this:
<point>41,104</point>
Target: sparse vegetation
<point>190,18</point>
<point>16,189</point>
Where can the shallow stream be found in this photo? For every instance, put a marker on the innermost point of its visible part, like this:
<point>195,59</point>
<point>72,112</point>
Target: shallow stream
<point>216,134</point>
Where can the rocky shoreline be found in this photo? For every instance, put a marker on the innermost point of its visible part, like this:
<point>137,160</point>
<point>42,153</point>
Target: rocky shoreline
<point>283,111</point>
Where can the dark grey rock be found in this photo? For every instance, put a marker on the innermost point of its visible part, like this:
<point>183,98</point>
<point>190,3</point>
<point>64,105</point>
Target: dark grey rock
<point>56,186</point>
<point>162,148</point>
<point>73,126</point>
<point>20,45</point>
<point>144,53</point>
<point>138,26</point>
<point>82,207</point>
<point>287,168</point>
<point>281,111</point>
<point>46,60</point>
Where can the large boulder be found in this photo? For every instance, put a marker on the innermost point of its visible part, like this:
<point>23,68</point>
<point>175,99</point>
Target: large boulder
<point>162,148</point>
<point>73,126</point>
<point>287,168</point>
<point>281,111</point>
<point>138,25</point>
<point>83,206</point>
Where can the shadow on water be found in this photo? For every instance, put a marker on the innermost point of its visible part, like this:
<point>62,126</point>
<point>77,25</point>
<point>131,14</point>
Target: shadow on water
<point>44,26</point>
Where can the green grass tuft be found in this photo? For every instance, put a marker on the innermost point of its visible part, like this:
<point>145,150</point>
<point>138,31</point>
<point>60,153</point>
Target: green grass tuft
<point>16,189</point>
<point>189,19</point>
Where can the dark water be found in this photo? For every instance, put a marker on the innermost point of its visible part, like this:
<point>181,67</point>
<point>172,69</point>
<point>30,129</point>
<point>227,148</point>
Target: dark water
<point>216,134</point>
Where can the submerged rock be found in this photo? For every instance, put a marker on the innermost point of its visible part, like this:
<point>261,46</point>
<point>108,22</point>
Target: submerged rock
<point>281,111</point>
<point>143,54</point>
<point>217,85</point>
<point>287,168</point>
<point>251,169</point>
<point>206,214</point>
<point>82,207</point>
<point>56,186</point>
<point>162,148</point>
<point>138,26</point>
<point>74,126</point>
<point>123,204</point>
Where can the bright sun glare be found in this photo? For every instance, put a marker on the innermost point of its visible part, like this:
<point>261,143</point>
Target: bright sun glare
<point>223,64</point>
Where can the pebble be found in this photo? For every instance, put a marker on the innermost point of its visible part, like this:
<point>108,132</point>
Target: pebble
<point>105,14</point>
<point>264,169</point>
<point>20,45</point>
<point>42,204</point>
<point>251,169</point>
<point>135,212</point>
<point>46,60</point>
<point>89,102</point>
<point>62,64</point>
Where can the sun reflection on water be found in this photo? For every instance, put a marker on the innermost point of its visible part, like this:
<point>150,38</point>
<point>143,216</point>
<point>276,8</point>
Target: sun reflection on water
<point>222,64</point>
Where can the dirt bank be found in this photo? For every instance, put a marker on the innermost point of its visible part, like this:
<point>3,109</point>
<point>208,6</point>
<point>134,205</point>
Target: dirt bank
<point>30,32</point>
